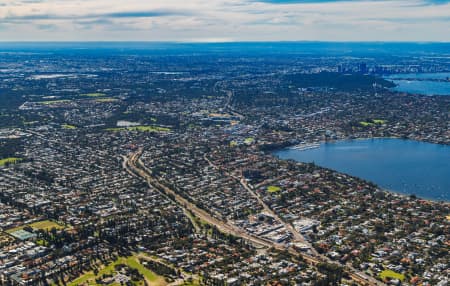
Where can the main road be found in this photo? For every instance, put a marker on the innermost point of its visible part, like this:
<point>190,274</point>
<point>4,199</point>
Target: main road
<point>298,237</point>
<point>135,166</point>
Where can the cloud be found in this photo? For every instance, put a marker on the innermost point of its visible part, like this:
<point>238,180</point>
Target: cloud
<point>283,2</point>
<point>47,27</point>
<point>300,1</point>
<point>222,20</point>
<point>13,18</point>
<point>124,14</point>
<point>144,14</point>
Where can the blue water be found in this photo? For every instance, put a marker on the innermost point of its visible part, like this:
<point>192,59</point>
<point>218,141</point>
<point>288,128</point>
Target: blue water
<point>403,166</point>
<point>361,49</point>
<point>406,83</point>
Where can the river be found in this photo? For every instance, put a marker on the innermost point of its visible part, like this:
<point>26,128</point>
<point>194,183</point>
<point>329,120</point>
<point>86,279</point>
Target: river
<point>422,83</point>
<point>402,166</point>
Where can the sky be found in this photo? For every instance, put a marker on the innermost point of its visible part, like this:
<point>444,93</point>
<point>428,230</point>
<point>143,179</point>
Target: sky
<point>225,20</point>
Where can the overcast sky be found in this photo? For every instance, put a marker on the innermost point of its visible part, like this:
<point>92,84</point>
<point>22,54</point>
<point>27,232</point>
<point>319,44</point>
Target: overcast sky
<point>224,20</point>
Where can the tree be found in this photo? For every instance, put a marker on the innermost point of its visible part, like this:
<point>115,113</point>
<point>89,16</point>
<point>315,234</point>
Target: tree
<point>332,271</point>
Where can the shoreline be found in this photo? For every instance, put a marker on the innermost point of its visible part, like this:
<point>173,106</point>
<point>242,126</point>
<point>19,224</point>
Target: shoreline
<point>386,137</point>
<point>420,198</point>
<point>421,91</point>
<point>398,193</point>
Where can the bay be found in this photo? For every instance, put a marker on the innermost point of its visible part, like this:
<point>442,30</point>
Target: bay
<point>422,83</point>
<point>403,166</point>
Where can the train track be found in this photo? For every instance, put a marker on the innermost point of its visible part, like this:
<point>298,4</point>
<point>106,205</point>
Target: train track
<point>135,166</point>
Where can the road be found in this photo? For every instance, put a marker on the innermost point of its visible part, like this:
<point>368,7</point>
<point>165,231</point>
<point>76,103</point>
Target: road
<point>298,237</point>
<point>134,165</point>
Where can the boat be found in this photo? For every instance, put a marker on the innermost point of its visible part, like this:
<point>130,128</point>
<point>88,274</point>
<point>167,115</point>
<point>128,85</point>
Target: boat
<point>303,147</point>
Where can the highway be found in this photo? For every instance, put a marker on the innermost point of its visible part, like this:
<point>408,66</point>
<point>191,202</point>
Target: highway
<point>298,237</point>
<point>135,166</point>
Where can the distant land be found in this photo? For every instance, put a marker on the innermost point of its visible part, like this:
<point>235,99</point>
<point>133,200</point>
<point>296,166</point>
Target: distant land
<point>153,164</point>
<point>306,47</point>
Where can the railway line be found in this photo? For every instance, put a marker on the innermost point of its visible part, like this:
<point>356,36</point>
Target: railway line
<point>135,166</point>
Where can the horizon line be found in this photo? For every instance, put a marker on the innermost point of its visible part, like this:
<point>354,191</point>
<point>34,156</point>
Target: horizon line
<point>223,42</point>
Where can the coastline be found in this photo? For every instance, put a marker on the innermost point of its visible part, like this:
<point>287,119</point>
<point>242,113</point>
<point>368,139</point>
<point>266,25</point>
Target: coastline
<point>420,198</point>
<point>384,189</point>
<point>386,137</point>
<point>423,79</point>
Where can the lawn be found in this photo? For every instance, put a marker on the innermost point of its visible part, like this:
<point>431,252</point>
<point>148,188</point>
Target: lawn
<point>391,274</point>
<point>249,140</point>
<point>273,189</point>
<point>143,128</point>
<point>379,121</point>
<point>94,94</point>
<point>149,128</point>
<point>88,277</point>
<point>50,102</point>
<point>131,261</point>
<point>106,100</point>
<point>365,123</point>
<point>10,160</point>
<point>45,225</point>
<point>372,122</point>
<point>67,126</point>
